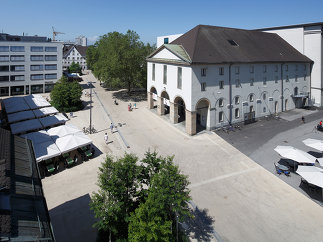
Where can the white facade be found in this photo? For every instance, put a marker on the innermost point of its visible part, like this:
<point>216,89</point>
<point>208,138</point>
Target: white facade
<point>73,55</point>
<point>307,39</point>
<point>166,39</point>
<point>29,67</point>
<point>262,88</point>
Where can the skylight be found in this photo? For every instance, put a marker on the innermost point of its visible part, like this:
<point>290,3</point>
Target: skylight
<point>232,42</point>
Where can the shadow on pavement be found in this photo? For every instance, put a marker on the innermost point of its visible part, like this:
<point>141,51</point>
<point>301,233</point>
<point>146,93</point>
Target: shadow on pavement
<point>200,227</point>
<point>73,220</point>
<point>312,191</point>
<point>133,96</point>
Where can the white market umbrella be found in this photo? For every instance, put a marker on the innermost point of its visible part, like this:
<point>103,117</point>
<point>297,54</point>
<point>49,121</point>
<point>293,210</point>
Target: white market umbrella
<point>289,152</point>
<point>314,143</point>
<point>63,130</point>
<point>46,150</point>
<point>72,142</point>
<point>312,175</point>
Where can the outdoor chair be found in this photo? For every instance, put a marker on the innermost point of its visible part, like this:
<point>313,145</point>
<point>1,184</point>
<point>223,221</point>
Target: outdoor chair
<point>287,173</point>
<point>279,171</point>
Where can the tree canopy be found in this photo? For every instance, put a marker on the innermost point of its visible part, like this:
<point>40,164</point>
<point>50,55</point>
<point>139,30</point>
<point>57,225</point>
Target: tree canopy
<point>66,96</point>
<point>140,202</point>
<point>75,68</point>
<point>119,60</point>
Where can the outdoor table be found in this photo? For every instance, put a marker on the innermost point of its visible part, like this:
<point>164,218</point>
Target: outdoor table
<point>50,168</point>
<point>69,161</point>
<point>282,167</point>
<point>88,153</point>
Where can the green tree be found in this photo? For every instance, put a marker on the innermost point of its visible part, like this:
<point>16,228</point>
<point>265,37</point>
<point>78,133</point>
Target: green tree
<point>91,56</point>
<point>75,68</point>
<point>119,60</point>
<point>66,96</point>
<point>140,201</point>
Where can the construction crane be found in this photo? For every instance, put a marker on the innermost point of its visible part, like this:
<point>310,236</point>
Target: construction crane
<point>55,33</point>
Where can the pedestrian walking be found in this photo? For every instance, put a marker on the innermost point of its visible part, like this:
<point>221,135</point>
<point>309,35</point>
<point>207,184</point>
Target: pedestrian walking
<point>111,127</point>
<point>303,119</point>
<point>106,138</point>
<point>71,114</point>
<point>135,106</point>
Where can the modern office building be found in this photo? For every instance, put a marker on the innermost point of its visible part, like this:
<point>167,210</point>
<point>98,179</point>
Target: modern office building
<point>307,39</point>
<point>28,64</point>
<point>76,54</point>
<point>214,76</point>
<point>81,40</point>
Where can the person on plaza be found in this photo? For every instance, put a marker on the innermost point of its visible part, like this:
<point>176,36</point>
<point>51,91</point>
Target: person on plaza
<point>303,119</point>
<point>106,138</point>
<point>71,114</point>
<point>111,127</point>
<point>135,106</point>
<point>130,106</point>
<point>320,123</point>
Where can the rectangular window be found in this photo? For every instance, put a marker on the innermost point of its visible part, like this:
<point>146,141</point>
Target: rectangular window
<point>237,69</point>
<point>265,68</point>
<point>4,91</point>
<point>51,49</point>
<point>4,68</point>
<point>238,83</point>
<point>221,71</point>
<point>4,48</point>
<point>203,86</point>
<point>179,77</point>
<point>221,116</point>
<point>236,100</point>
<point>17,48</point>
<point>37,77</point>
<point>265,81</point>
<point>237,113</point>
<point>166,40</point>
<point>17,78</point>
<point>36,48</point>
<point>276,79</point>
<point>51,67</point>
<point>203,72</point>
<point>4,78</point>
<point>286,67</point>
<point>36,67</point>
<point>221,84</point>
<point>36,57</point>
<point>296,78</point>
<point>153,74</point>
<point>252,69</point>
<point>51,57</point>
<point>165,75</point>
<point>17,58</point>
<point>221,102</point>
<point>276,68</point>
<point>17,68</point>
<point>4,58</point>
<point>251,81</point>
<point>50,76</point>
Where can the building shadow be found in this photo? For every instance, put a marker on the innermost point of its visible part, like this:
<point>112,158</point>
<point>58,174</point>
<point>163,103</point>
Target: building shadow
<point>73,220</point>
<point>312,191</point>
<point>200,227</point>
<point>133,96</point>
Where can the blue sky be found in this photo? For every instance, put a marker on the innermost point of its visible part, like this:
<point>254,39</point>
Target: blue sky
<point>149,18</point>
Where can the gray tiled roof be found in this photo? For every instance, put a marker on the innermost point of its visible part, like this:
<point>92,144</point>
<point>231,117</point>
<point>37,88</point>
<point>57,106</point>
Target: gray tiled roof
<point>211,45</point>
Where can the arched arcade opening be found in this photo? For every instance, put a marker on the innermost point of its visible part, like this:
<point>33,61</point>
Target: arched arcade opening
<point>202,115</point>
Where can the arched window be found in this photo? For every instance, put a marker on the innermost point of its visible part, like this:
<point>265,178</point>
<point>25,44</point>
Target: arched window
<point>264,96</point>
<point>220,102</point>
<point>251,98</point>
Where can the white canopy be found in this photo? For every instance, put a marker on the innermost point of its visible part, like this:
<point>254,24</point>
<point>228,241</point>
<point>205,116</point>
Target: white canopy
<point>15,104</point>
<point>311,174</point>
<point>53,120</point>
<point>45,112</point>
<point>46,150</point>
<point>297,155</point>
<point>62,130</point>
<point>25,126</point>
<point>15,117</point>
<point>72,142</point>
<point>40,136</point>
<point>36,101</point>
<point>314,143</point>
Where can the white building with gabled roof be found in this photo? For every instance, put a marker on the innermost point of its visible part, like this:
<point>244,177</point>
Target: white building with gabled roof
<point>214,76</point>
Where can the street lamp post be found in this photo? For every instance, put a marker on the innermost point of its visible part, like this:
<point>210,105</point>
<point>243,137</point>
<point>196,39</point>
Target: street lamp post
<point>90,84</point>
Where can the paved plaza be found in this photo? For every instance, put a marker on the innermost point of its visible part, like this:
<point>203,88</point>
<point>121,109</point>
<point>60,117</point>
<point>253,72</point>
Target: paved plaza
<point>235,199</point>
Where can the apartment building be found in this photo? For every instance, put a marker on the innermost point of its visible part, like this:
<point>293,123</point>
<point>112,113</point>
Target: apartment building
<point>28,64</point>
<point>76,54</point>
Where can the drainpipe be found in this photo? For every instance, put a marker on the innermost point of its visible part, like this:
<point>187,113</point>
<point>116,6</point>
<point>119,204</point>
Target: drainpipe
<point>230,96</point>
<point>310,90</point>
<point>282,82</point>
